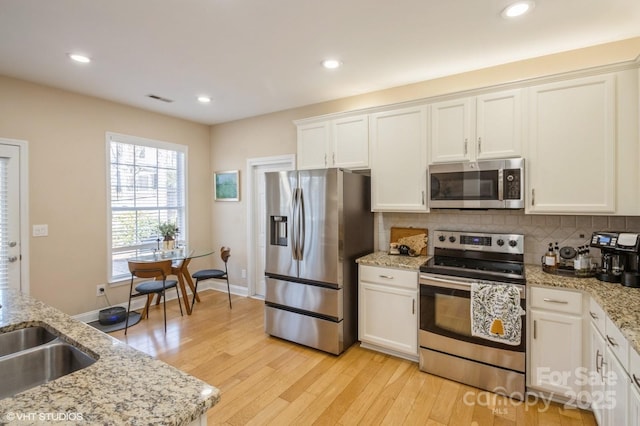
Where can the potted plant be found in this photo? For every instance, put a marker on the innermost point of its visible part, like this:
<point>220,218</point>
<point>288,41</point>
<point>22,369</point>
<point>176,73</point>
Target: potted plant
<point>168,231</point>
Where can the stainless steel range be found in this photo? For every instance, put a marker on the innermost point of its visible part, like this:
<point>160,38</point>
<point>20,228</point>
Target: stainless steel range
<point>447,346</point>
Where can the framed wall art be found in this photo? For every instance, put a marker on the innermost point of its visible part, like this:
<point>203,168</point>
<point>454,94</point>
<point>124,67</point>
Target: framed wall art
<point>226,186</point>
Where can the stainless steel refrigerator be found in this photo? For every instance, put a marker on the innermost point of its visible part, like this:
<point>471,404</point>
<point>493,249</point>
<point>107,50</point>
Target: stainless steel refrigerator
<point>318,222</point>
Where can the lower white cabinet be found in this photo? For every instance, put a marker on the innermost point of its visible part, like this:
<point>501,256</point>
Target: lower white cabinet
<point>388,311</point>
<point>616,385</point>
<point>597,373</point>
<point>555,341</point>
<point>634,405</point>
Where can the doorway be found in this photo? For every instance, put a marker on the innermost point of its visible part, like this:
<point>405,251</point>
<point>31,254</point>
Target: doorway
<point>257,235</point>
<point>13,215</point>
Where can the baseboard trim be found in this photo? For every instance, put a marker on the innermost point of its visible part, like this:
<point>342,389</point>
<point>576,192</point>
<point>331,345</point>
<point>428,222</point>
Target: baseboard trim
<point>138,303</point>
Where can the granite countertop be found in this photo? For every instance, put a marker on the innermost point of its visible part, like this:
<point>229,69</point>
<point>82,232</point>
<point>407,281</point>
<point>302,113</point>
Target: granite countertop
<point>621,304</point>
<point>124,386</point>
<point>386,260</point>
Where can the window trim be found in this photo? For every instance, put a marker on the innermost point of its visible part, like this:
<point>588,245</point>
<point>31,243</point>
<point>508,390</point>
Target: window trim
<point>152,143</point>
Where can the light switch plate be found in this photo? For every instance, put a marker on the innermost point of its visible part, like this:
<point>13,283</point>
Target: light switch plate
<point>40,230</point>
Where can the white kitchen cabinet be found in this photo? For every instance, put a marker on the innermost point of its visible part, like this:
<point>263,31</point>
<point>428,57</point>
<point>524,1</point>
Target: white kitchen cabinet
<point>634,405</point>
<point>555,341</point>
<point>596,374</point>
<point>399,160</point>
<point>571,147</point>
<point>340,142</point>
<point>616,390</point>
<point>388,311</point>
<point>477,128</point>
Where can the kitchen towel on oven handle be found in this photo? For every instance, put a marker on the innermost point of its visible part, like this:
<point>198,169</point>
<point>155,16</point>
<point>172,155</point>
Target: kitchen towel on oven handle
<point>496,313</point>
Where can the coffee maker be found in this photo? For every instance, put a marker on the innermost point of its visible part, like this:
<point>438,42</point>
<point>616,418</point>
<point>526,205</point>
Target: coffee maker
<point>620,252</point>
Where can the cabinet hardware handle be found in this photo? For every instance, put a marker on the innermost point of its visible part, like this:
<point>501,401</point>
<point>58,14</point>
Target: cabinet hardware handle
<point>413,307</point>
<point>611,340</point>
<point>325,160</point>
<point>535,330</point>
<point>389,277</point>
<point>479,144</point>
<point>635,379</point>
<point>533,197</point>
<point>334,158</point>
<point>562,302</point>
<point>598,365</point>
<point>593,315</point>
<point>423,198</point>
<point>465,146</point>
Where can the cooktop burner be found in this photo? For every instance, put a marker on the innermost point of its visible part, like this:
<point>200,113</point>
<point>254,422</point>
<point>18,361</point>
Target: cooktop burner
<point>482,256</point>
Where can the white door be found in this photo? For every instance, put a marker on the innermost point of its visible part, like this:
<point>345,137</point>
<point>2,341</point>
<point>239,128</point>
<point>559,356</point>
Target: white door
<point>10,216</point>
<point>258,213</point>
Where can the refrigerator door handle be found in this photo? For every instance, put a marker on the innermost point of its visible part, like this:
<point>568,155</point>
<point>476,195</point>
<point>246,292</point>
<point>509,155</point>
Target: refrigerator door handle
<point>301,225</point>
<point>294,237</point>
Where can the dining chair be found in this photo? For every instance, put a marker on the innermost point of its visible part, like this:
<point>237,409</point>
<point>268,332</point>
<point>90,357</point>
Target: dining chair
<point>218,274</point>
<point>158,270</point>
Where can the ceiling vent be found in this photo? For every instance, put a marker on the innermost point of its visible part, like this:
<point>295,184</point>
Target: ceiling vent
<point>160,98</point>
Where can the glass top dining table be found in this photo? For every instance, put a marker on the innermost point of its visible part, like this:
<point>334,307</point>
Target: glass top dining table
<point>180,257</point>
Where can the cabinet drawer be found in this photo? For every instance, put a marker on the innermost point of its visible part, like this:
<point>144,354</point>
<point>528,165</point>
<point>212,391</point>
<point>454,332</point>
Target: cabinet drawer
<point>597,315</point>
<point>556,300</point>
<point>617,342</point>
<point>634,368</point>
<point>388,276</point>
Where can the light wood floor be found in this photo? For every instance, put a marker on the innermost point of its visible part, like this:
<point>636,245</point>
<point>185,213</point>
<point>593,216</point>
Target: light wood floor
<point>265,380</point>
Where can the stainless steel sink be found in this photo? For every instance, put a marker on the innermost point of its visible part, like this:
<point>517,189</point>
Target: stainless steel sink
<point>24,338</point>
<point>45,358</point>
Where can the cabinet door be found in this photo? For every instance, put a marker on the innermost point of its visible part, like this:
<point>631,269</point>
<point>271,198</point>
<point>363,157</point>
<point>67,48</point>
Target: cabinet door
<point>571,146</point>
<point>617,385</point>
<point>350,147</point>
<point>313,142</point>
<point>634,405</point>
<point>499,125</point>
<point>451,131</point>
<point>388,317</point>
<point>597,373</point>
<point>399,160</point>
<point>556,352</point>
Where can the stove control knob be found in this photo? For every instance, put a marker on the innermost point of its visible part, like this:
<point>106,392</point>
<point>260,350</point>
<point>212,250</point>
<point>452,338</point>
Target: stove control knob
<point>452,239</point>
<point>500,242</point>
<point>441,238</point>
<point>513,243</point>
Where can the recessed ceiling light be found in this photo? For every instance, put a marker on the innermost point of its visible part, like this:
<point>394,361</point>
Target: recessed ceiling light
<point>80,58</point>
<point>331,64</point>
<point>518,9</point>
<point>204,99</point>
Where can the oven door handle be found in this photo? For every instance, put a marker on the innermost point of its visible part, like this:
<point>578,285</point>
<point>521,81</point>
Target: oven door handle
<point>454,284</point>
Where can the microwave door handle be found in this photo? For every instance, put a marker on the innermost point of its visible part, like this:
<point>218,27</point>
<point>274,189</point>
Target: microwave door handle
<point>501,184</point>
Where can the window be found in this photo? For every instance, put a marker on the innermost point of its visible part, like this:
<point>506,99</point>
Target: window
<point>147,187</point>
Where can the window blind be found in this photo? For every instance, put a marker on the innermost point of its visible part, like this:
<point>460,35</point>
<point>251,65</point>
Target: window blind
<point>147,188</point>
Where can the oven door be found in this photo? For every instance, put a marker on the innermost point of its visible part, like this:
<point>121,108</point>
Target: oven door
<point>445,324</point>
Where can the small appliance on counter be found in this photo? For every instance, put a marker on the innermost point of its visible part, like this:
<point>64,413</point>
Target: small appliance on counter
<point>620,251</point>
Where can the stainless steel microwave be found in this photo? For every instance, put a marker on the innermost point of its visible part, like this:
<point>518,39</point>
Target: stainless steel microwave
<point>491,184</point>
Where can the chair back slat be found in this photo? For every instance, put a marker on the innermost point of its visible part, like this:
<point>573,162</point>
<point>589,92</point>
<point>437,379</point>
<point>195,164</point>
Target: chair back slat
<point>156,269</point>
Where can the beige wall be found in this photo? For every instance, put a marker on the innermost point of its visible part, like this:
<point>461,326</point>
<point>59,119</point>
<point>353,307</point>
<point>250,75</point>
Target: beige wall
<point>275,134</point>
<point>67,184</point>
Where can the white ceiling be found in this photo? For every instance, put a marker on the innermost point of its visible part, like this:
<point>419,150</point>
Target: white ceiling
<point>258,56</point>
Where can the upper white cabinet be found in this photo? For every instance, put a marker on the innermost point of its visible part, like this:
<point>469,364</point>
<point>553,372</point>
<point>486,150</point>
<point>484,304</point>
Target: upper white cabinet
<point>571,150</point>
<point>476,128</point>
<point>341,142</point>
<point>399,160</point>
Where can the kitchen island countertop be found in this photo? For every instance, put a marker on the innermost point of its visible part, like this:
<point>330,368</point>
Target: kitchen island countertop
<point>124,386</point>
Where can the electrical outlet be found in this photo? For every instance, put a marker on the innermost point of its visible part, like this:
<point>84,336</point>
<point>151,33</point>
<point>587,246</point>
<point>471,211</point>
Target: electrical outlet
<point>100,289</point>
<point>244,273</point>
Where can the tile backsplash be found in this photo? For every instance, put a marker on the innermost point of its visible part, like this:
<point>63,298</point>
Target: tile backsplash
<point>539,230</point>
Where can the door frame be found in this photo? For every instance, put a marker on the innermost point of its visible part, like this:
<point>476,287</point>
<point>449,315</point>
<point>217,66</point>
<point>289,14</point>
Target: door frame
<point>287,160</point>
<point>24,210</point>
